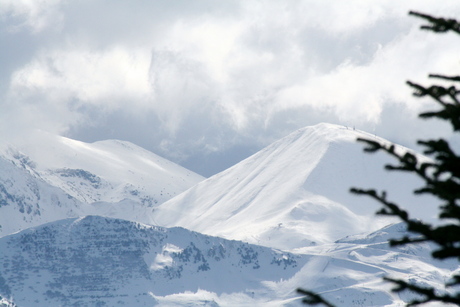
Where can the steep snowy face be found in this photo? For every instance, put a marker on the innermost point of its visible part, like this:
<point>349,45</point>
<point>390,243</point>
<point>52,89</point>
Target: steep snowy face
<point>94,260</point>
<point>294,192</point>
<point>27,200</point>
<point>108,171</point>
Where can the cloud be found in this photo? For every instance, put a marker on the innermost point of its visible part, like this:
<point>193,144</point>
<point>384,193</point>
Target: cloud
<point>34,16</point>
<point>212,80</point>
<point>57,87</point>
<point>99,77</point>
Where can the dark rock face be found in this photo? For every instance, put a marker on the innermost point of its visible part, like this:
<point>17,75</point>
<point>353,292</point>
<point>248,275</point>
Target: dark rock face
<point>92,179</point>
<point>95,261</point>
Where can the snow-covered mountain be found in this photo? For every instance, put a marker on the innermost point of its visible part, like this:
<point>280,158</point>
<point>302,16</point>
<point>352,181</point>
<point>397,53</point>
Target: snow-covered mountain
<point>98,261</point>
<point>48,177</point>
<point>27,200</point>
<point>249,236</point>
<point>295,192</point>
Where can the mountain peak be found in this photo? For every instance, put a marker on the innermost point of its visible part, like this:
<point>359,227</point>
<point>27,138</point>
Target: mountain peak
<point>112,178</point>
<point>293,193</point>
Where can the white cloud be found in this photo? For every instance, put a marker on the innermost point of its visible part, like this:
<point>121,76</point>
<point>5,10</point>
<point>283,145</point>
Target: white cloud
<point>100,77</point>
<point>32,15</point>
<point>57,87</point>
<point>203,78</point>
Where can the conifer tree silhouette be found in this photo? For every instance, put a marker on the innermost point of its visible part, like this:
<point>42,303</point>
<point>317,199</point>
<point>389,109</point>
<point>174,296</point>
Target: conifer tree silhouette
<point>441,179</point>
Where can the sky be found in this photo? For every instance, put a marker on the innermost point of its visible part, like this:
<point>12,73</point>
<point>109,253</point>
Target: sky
<point>207,83</point>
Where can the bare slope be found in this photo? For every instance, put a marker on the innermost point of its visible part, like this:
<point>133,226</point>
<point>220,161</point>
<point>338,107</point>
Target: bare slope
<point>293,193</point>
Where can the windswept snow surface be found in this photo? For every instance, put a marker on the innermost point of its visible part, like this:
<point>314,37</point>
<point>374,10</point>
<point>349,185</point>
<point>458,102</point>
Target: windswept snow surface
<point>110,178</point>
<point>295,192</point>
<point>96,261</point>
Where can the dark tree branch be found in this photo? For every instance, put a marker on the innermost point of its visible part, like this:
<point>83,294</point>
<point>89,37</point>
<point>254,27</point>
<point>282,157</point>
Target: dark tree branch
<point>441,177</point>
<point>455,78</point>
<point>313,299</point>
<point>439,25</point>
<point>429,294</point>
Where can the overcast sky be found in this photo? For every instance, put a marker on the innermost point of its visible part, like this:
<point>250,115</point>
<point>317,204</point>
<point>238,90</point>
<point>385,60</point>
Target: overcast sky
<point>207,83</point>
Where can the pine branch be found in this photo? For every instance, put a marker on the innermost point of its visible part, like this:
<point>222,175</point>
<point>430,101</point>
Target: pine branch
<point>313,299</point>
<point>444,236</point>
<point>455,281</point>
<point>391,208</point>
<point>429,294</point>
<point>456,78</point>
<point>448,163</point>
<point>439,25</point>
<point>441,177</point>
<point>408,161</point>
<point>437,92</point>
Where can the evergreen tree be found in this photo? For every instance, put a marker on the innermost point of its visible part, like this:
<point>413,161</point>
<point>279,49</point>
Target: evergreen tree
<point>441,178</point>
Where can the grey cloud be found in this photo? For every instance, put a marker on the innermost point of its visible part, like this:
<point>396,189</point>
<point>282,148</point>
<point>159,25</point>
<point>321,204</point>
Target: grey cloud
<point>103,23</point>
<point>206,84</point>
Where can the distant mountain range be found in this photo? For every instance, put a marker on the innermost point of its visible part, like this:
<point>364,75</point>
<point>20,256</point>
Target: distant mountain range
<point>52,177</point>
<point>89,218</point>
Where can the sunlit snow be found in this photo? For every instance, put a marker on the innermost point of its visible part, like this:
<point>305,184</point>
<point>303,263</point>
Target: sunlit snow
<point>249,236</point>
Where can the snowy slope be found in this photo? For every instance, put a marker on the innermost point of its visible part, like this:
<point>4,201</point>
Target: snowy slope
<point>27,200</point>
<point>293,195</point>
<point>96,261</point>
<point>294,192</point>
<point>108,171</point>
<point>110,178</point>
<point>352,269</point>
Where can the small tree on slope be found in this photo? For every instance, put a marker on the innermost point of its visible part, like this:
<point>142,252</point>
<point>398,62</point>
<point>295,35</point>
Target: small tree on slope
<point>442,180</point>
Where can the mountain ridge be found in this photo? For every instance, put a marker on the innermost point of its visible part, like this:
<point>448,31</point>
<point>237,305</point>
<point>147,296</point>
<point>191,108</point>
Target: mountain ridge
<point>95,259</point>
<point>112,178</point>
<point>293,189</point>
<point>280,219</point>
